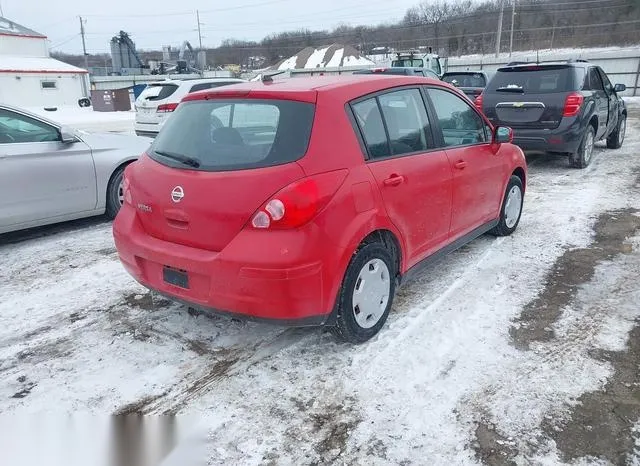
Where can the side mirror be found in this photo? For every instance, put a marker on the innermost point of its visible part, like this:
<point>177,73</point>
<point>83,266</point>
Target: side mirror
<point>620,88</point>
<point>503,134</point>
<point>68,135</point>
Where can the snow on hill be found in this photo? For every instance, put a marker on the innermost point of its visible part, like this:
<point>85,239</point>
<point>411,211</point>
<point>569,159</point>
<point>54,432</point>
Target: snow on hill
<point>329,56</point>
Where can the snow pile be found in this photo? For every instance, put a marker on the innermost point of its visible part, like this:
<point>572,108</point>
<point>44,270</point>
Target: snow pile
<point>334,55</point>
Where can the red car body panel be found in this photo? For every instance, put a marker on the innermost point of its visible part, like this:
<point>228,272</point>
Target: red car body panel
<point>294,275</point>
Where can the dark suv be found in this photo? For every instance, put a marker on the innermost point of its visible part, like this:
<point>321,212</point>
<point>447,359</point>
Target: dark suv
<point>560,107</point>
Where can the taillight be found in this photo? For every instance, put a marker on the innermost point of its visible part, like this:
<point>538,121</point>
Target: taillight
<point>299,202</point>
<point>572,104</point>
<point>478,102</point>
<point>166,108</point>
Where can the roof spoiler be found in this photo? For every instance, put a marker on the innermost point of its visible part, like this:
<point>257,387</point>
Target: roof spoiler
<point>570,60</point>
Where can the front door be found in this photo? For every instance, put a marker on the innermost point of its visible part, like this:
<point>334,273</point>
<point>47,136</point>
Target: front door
<point>413,176</point>
<point>614,102</point>
<point>41,176</point>
<point>477,164</point>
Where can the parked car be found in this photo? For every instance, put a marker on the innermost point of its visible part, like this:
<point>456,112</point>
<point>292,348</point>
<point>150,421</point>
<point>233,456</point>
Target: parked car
<point>307,201</point>
<point>53,174</point>
<point>402,71</point>
<point>472,83</point>
<point>560,107</point>
<point>158,100</point>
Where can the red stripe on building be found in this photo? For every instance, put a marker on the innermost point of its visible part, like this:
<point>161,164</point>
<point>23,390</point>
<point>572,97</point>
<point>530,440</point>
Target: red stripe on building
<point>28,36</point>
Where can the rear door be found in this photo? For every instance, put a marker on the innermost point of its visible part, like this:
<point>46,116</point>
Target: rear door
<point>478,167</point>
<point>600,99</point>
<point>238,153</point>
<point>413,176</point>
<point>529,97</point>
<point>42,176</point>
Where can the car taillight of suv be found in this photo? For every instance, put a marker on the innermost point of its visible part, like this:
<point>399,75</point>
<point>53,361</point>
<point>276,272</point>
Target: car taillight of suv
<point>572,104</point>
<point>167,108</point>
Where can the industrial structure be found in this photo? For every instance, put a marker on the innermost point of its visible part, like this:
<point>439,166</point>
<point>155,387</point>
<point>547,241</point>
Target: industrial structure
<point>124,58</point>
<point>29,77</point>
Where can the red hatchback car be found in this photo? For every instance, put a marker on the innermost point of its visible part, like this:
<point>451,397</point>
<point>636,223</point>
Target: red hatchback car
<point>307,201</point>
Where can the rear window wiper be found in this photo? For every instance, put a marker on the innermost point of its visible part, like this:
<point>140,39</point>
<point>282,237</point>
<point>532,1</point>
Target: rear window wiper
<point>190,161</point>
<point>510,89</point>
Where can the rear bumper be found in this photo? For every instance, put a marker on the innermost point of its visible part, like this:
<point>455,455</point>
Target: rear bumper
<point>257,276</point>
<point>147,129</point>
<point>566,138</point>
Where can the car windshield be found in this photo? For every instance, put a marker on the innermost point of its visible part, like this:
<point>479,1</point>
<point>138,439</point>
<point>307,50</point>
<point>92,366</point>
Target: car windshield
<point>226,134</point>
<point>465,79</point>
<point>533,80</point>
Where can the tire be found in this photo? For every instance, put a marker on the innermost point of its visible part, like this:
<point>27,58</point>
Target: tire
<point>359,322</point>
<point>583,157</point>
<point>510,213</point>
<point>616,138</point>
<point>114,194</point>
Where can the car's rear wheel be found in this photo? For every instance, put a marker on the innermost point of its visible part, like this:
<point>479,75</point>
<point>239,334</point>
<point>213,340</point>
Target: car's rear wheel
<point>511,208</point>
<point>115,194</point>
<point>582,158</point>
<point>615,139</point>
<point>366,295</point>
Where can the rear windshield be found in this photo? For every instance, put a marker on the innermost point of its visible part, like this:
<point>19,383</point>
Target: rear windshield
<point>533,80</point>
<point>234,134</point>
<point>158,91</point>
<point>408,62</point>
<point>465,79</point>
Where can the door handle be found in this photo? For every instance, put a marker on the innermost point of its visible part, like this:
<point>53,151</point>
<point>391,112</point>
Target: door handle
<point>394,180</point>
<point>460,165</point>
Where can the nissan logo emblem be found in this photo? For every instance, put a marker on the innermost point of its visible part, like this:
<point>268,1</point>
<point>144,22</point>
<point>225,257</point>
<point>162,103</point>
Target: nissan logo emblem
<point>177,194</point>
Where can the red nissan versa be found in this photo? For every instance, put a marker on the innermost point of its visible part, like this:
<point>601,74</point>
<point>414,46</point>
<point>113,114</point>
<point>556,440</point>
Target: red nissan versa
<point>307,201</point>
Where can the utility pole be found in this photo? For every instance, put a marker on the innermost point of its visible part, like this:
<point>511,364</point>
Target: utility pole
<point>1,12</point>
<point>84,45</point>
<point>199,24</point>
<point>499,35</point>
<point>513,19</point>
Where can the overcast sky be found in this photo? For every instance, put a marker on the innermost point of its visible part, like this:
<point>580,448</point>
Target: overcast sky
<point>154,23</point>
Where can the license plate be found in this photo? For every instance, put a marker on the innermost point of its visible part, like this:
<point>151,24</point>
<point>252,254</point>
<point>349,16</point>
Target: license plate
<point>175,277</point>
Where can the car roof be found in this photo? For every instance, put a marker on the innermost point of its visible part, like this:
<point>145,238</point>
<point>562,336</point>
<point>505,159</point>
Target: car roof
<point>196,81</point>
<point>467,72</point>
<point>306,89</point>
<point>566,63</point>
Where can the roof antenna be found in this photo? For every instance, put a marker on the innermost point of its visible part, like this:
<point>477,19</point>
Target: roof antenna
<point>268,78</point>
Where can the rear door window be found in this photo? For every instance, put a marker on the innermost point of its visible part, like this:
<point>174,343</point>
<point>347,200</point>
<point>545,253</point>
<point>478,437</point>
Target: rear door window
<point>407,122</point>
<point>459,122</point>
<point>533,80</point>
<point>234,134</point>
<point>394,123</point>
<point>200,87</point>
<point>594,81</point>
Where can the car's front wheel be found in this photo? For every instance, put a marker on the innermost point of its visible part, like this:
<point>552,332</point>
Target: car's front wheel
<point>616,138</point>
<point>367,293</point>
<point>511,208</point>
<point>115,194</point>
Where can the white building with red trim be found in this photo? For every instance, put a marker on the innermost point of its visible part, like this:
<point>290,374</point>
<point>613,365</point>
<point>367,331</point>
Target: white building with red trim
<point>29,77</point>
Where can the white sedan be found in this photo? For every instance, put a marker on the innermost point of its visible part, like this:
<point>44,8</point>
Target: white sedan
<point>50,173</point>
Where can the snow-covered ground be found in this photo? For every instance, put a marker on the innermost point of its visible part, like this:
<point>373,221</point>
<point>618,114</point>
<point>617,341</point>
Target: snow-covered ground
<point>496,354</point>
